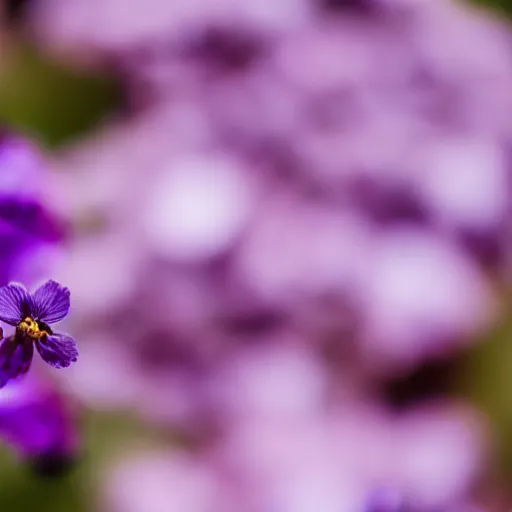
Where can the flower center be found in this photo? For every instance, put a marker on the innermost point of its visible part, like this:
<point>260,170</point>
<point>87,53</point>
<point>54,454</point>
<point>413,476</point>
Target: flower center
<point>32,328</point>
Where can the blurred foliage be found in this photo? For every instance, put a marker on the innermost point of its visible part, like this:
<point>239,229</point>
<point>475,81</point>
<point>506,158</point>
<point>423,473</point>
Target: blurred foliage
<point>503,6</point>
<point>485,378</point>
<point>50,102</point>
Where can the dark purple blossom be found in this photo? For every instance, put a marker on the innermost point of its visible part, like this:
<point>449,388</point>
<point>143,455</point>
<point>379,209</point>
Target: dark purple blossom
<point>32,314</point>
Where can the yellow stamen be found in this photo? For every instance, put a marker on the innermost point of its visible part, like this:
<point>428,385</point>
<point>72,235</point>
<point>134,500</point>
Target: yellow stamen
<point>30,327</point>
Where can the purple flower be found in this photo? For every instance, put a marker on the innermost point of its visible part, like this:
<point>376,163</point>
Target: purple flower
<point>32,315</point>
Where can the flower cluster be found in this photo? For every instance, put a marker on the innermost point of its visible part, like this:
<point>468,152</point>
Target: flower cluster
<point>304,203</point>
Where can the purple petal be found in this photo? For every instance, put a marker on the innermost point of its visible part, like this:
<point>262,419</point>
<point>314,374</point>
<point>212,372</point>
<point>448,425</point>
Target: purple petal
<point>50,302</point>
<point>15,303</point>
<point>58,350</point>
<point>15,358</point>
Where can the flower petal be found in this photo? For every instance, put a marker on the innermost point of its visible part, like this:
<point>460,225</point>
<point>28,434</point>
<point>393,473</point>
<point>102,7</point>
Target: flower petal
<point>50,302</point>
<point>58,350</point>
<point>15,358</point>
<point>15,303</point>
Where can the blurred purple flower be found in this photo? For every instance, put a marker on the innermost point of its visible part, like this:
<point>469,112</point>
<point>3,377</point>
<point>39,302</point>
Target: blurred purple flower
<point>29,232</point>
<point>39,423</point>
<point>141,484</point>
<point>32,315</point>
<point>384,499</point>
<point>321,188</point>
<point>112,26</point>
<point>356,460</point>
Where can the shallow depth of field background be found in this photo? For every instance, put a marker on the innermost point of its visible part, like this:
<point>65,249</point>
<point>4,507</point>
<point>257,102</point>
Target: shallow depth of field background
<point>77,94</point>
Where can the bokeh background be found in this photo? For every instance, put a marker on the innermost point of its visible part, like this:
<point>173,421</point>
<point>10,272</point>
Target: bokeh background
<point>286,229</point>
